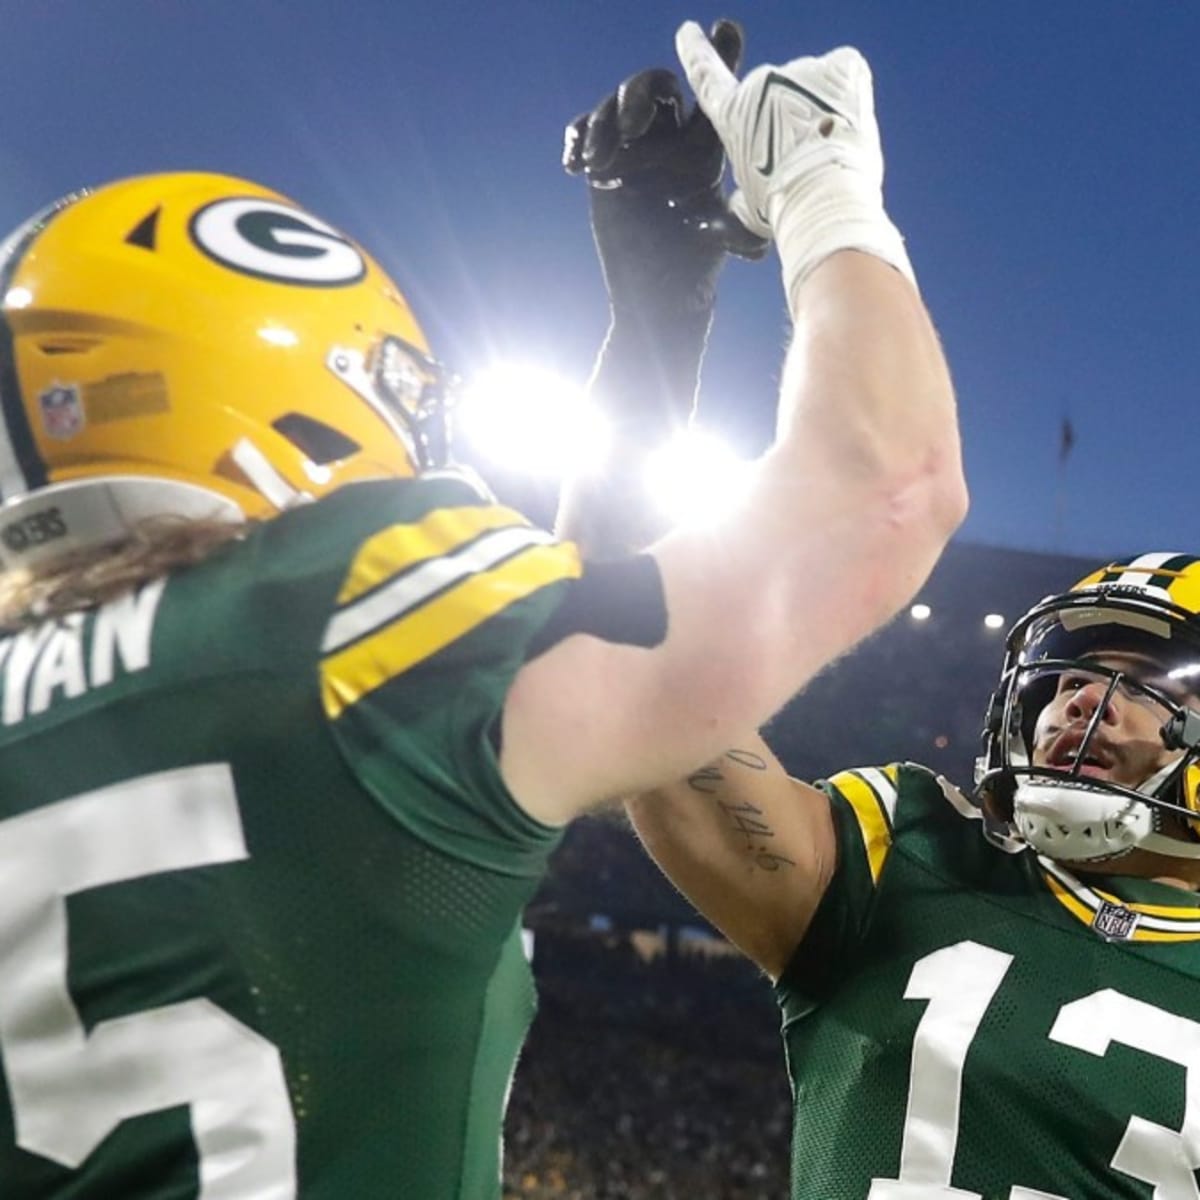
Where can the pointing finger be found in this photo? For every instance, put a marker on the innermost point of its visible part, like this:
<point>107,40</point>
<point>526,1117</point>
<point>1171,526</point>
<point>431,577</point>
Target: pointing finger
<point>711,79</point>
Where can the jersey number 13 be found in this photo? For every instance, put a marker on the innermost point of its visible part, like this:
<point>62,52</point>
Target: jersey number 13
<point>960,982</point>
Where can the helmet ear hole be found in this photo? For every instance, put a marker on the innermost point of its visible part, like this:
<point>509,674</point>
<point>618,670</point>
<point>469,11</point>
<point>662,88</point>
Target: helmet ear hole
<point>64,343</point>
<point>318,442</point>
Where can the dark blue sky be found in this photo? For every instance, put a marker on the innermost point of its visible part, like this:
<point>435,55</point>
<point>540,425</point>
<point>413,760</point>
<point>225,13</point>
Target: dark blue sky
<point>1042,161</point>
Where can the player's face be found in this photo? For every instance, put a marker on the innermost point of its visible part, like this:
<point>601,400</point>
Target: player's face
<point>1127,747</point>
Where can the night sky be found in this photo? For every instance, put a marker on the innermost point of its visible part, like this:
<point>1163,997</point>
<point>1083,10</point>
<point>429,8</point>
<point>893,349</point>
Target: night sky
<point>1042,161</point>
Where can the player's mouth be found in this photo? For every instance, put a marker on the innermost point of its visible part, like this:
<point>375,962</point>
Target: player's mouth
<point>1064,753</point>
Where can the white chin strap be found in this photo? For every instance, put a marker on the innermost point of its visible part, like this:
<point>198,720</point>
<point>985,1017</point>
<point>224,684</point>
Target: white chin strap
<point>1074,823</point>
<point>1157,843</point>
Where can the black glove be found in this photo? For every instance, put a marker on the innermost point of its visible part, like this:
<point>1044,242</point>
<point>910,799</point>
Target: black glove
<point>662,231</point>
<point>654,170</point>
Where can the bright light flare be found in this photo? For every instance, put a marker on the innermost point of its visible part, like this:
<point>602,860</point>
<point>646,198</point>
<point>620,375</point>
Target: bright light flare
<point>920,612</point>
<point>994,621</point>
<point>696,478</point>
<point>529,420</point>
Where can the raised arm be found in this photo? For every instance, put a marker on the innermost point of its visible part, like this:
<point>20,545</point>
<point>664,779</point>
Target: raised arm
<point>751,848</point>
<point>662,229</point>
<point>847,512</point>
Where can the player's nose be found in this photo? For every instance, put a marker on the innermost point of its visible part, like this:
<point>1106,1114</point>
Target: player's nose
<point>1085,700</point>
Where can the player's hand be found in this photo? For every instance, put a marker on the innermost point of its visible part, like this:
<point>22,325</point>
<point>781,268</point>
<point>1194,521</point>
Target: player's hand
<point>781,123</point>
<point>654,167</point>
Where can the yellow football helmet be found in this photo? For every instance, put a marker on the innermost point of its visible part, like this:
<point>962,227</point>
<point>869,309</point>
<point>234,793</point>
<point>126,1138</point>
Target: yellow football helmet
<point>1133,626</point>
<point>196,344</point>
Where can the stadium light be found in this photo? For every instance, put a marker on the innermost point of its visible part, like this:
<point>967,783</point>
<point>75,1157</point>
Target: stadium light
<point>994,621</point>
<point>696,477</point>
<point>920,612</point>
<point>531,421</point>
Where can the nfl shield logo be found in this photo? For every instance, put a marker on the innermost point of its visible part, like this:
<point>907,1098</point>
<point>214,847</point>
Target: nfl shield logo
<point>1114,922</point>
<point>62,411</point>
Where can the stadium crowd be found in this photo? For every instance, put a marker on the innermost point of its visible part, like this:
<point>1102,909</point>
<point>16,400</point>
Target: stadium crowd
<point>647,1079</point>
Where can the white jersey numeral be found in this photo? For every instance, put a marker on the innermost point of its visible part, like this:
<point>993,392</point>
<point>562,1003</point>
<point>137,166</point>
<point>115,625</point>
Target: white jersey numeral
<point>71,1088</point>
<point>959,983</point>
<point>1166,1158</point>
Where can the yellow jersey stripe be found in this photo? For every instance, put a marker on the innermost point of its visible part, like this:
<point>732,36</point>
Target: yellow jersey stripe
<point>1142,934</point>
<point>883,781</point>
<point>400,547</point>
<point>1155,921</point>
<point>1177,912</point>
<point>416,634</point>
<point>873,816</point>
<point>411,589</point>
<point>1077,909</point>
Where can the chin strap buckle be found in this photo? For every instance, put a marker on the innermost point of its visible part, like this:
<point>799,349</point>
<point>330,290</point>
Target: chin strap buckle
<point>1182,731</point>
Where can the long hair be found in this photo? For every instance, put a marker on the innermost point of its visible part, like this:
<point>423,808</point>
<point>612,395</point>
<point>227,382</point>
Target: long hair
<point>88,577</point>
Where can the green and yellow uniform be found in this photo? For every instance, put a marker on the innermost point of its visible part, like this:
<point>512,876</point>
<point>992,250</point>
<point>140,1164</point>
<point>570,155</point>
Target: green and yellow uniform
<point>260,879</point>
<point>966,1022</point>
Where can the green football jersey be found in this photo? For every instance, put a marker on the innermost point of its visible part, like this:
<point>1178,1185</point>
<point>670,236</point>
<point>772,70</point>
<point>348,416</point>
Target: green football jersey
<point>260,879</point>
<point>964,1022</point>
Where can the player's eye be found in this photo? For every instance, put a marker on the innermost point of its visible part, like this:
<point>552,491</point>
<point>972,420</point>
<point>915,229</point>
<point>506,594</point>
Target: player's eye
<point>1072,682</point>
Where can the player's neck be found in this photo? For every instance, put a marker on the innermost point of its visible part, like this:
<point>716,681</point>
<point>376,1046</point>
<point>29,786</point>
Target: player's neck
<point>1176,883</point>
<point>1180,873</point>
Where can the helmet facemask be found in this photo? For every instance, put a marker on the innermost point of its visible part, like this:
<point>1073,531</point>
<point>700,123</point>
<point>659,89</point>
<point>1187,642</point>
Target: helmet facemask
<point>411,391</point>
<point>1093,777</point>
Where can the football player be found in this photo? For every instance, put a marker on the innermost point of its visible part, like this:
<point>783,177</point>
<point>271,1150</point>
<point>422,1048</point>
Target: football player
<point>290,718</point>
<point>987,995</point>
<point>995,994</point>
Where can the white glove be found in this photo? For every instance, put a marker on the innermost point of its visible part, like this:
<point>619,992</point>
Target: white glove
<point>803,144</point>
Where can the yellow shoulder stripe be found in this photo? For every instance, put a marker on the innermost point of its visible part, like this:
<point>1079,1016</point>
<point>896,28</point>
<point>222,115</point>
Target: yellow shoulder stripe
<point>463,599</point>
<point>872,796</point>
<point>399,547</point>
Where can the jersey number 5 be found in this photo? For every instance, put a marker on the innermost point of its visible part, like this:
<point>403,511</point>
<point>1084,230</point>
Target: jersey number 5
<point>70,1088</point>
<point>959,982</point>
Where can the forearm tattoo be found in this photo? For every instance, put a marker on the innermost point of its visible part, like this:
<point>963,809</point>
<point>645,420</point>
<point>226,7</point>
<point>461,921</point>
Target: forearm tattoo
<point>747,821</point>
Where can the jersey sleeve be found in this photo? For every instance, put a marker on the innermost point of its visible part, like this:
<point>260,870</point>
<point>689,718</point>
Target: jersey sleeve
<point>864,804</point>
<point>436,612</point>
